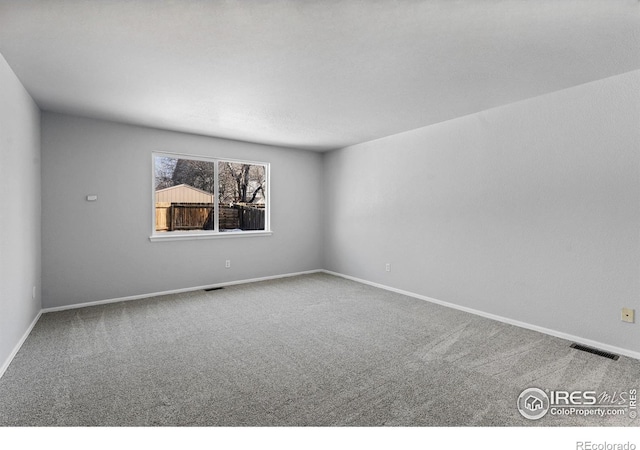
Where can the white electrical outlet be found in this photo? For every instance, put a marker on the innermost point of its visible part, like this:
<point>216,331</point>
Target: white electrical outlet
<point>33,292</point>
<point>227,264</point>
<point>628,315</point>
<point>387,267</point>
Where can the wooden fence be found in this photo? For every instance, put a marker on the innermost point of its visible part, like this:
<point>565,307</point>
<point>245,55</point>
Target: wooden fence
<point>199,216</point>
<point>183,216</point>
<point>228,218</point>
<point>250,217</point>
<point>162,216</point>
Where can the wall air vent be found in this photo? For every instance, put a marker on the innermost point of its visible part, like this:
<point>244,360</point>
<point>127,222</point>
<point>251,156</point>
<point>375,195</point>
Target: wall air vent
<point>595,351</point>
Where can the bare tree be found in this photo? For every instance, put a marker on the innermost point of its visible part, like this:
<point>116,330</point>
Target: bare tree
<point>241,183</point>
<point>199,174</point>
<point>164,167</point>
<point>237,182</point>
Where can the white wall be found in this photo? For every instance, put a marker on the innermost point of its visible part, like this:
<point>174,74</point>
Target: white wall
<point>529,211</point>
<point>20,212</point>
<point>101,250</point>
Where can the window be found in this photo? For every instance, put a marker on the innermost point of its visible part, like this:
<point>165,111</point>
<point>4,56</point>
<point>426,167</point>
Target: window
<point>195,197</point>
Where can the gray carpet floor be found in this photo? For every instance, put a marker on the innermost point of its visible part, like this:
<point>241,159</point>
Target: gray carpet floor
<point>312,350</point>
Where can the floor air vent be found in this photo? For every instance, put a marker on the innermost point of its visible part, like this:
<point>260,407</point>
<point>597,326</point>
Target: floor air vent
<point>213,289</point>
<point>595,351</point>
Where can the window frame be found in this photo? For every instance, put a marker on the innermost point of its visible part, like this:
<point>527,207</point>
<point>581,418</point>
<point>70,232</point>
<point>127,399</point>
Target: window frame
<point>215,233</point>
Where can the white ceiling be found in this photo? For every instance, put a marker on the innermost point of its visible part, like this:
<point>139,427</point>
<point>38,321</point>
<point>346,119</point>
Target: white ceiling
<point>309,74</point>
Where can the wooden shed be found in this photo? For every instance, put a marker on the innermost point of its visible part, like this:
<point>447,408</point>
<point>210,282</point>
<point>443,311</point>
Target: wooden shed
<point>183,193</point>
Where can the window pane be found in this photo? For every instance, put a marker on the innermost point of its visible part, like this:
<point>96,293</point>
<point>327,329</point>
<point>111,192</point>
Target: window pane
<point>195,194</point>
<point>184,192</point>
<point>241,194</point>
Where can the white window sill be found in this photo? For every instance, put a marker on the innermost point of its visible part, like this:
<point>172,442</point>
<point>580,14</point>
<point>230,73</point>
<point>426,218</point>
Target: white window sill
<point>189,236</point>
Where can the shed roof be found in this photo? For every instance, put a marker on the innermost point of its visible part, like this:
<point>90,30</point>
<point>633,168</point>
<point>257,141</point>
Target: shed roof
<point>183,185</point>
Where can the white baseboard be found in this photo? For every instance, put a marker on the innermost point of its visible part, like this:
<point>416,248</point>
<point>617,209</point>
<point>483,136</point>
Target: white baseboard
<point>175,291</point>
<point>517,323</point>
<point>16,349</point>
